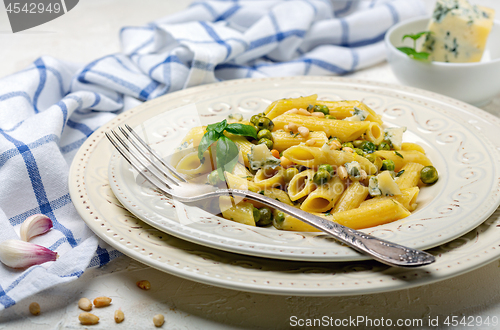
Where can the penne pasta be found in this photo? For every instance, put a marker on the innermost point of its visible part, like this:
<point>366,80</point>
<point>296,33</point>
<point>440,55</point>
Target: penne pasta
<point>273,193</point>
<point>269,178</point>
<point>312,156</point>
<point>344,109</point>
<point>404,157</point>
<point>241,212</point>
<point>342,129</point>
<point>244,145</point>
<point>352,197</point>
<point>408,198</point>
<point>194,135</point>
<point>294,224</point>
<point>281,106</point>
<point>286,139</point>
<point>301,185</point>
<point>374,133</point>
<point>369,215</point>
<point>410,177</point>
<point>412,146</point>
<point>190,164</point>
<point>324,197</point>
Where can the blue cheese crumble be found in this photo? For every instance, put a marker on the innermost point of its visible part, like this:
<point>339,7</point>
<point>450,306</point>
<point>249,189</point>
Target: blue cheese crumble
<point>353,170</point>
<point>383,185</point>
<point>357,115</point>
<point>260,156</point>
<point>395,136</point>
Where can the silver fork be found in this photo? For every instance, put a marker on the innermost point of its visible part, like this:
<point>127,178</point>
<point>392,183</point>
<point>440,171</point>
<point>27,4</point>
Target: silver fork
<point>164,177</point>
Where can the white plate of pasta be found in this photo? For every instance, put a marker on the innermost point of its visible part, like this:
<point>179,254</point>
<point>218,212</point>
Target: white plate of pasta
<point>349,165</point>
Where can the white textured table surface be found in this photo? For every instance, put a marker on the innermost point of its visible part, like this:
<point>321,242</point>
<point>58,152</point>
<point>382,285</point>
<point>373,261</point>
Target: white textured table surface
<point>90,31</point>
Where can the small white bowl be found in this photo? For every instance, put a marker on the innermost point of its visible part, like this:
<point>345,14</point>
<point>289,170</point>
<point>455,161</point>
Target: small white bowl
<point>475,83</point>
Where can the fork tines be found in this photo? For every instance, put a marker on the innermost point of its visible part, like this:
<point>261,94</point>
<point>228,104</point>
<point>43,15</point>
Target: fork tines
<point>143,158</point>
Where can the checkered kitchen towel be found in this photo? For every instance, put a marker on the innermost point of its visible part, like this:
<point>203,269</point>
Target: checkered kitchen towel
<point>49,109</point>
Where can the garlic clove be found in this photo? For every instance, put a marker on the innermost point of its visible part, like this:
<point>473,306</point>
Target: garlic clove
<point>35,225</point>
<point>19,254</point>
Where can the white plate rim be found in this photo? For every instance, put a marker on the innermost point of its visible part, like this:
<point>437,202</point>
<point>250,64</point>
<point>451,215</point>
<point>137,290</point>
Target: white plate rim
<point>262,242</point>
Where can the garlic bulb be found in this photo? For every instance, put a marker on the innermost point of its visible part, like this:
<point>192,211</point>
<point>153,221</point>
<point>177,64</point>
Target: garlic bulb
<point>35,225</point>
<point>19,254</point>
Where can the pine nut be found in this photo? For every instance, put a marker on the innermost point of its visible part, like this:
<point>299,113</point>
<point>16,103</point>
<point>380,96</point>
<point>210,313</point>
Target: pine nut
<point>318,114</point>
<point>286,128</point>
<point>347,149</point>
<point>119,316</point>
<point>85,304</point>
<point>88,318</point>
<point>311,142</point>
<point>34,308</point>
<point>342,173</point>
<point>144,284</point>
<point>102,301</point>
<point>362,175</point>
<point>158,320</point>
<point>304,131</point>
<point>292,111</point>
<point>293,127</point>
<point>285,162</point>
<point>304,112</point>
<point>335,145</point>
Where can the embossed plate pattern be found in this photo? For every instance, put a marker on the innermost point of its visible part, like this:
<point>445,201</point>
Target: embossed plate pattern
<point>462,199</point>
<point>95,202</point>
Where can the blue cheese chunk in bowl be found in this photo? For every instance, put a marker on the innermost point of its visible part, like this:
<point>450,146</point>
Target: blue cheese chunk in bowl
<point>476,83</point>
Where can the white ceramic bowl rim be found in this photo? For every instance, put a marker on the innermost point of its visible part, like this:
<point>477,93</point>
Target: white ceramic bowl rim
<point>444,64</point>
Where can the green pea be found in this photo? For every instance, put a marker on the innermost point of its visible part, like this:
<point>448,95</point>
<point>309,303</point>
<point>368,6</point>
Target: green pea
<point>371,157</point>
<point>279,217</point>
<point>359,152</point>
<point>265,123</point>
<point>322,108</point>
<point>290,173</point>
<point>348,144</point>
<point>256,214</point>
<point>266,217</point>
<point>384,146</point>
<point>330,117</point>
<point>326,167</point>
<point>255,119</point>
<point>368,147</point>
<point>321,177</point>
<point>358,143</point>
<point>334,138</point>
<point>387,165</point>
<point>429,175</point>
<point>267,142</point>
<point>265,134</point>
<point>213,178</point>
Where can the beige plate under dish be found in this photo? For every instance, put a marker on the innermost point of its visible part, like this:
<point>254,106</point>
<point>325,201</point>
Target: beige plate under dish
<point>94,200</point>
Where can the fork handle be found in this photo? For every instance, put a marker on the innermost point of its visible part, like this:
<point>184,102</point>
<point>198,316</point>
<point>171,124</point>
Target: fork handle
<point>386,252</point>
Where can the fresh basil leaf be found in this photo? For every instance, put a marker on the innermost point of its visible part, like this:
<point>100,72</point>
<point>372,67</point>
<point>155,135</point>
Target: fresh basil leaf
<point>206,141</point>
<point>400,173</point>
<point>226,155</point>
<point>407,50</point>
<point>241,129</point>
<point>398,154</point>
<point>218,127</point>
<point>416,36</point>
<point>421,56</point>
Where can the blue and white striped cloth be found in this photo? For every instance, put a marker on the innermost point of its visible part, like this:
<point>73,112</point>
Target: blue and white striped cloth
<point>49,109</point>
